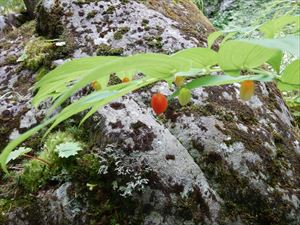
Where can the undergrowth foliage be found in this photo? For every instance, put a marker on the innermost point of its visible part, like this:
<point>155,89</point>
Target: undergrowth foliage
<point>199,65</point>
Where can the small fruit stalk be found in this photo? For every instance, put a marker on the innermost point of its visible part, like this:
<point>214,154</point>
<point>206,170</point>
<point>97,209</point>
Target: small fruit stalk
<point>159,103</point>
<point>247,90</point>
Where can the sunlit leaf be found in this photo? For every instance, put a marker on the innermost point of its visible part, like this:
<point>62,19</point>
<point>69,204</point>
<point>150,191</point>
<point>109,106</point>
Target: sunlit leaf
<point>272,27</point>
<point>290,78</point>
<point>289,44</point>
<point>65,150</point>
<point>17,153</point>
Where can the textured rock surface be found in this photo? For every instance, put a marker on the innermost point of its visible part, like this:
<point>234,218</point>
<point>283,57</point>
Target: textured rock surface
<point>217,161</point>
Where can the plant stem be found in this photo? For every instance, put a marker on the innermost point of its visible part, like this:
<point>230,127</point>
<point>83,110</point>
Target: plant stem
<point>39,159</point>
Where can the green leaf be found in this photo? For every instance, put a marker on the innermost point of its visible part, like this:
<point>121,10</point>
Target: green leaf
<point>228,37</point>
<point>289,44</point>
<point>272,27</point>
<point>59,80</point>
<point>291,74</point>
<point>17,153</point>
<point>238,55</point>
<point>154,65</point>
<point>213,37</point>
<point>97,99</point>
<point>208,81</point>
<point>197,57</point>
<point>275,61</point>
<point>22,58</point>
<point>193,72</point>
<point>68,149</point>
<point>290,78</point>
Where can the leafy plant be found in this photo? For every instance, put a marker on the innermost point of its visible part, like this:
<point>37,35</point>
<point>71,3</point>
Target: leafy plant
<point>235,57</point>
<point>7,6</point>
<point>65,150</point>
<point>17,153</point>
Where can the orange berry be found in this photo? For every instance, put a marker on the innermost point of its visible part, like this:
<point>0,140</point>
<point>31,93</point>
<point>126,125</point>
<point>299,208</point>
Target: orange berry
<point>247,90</point>
<point>96,86</point>
<point>125,80</point>
<point>159,103</point>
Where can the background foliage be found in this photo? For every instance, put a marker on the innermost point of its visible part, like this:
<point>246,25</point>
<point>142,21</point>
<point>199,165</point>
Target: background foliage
<point>7,6</point>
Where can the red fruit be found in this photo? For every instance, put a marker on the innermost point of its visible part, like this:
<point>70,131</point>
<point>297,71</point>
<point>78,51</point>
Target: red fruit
<point>247,90</point>
<point>159,103</point>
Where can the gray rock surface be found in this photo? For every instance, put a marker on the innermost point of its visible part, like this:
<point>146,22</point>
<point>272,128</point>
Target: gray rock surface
<point>217,161</point>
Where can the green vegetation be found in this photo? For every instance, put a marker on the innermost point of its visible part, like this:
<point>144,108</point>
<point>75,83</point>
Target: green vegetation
<point>7,6</point>
<point>244,13</point>
<point>235,57</point>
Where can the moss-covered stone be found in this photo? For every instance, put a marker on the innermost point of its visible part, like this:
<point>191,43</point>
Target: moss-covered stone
<point>107,50</point>
<point>119,34</point>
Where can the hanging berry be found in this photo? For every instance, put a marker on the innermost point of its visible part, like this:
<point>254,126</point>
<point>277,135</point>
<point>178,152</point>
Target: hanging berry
<point>159,103</point>
<point>185,96</point>
<point>96,85</point>
<point>125,80</point>
<point>179,81</point>
<point>247,90</point>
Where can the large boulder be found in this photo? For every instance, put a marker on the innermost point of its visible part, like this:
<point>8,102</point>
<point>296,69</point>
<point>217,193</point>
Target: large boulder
<point>219,160</point>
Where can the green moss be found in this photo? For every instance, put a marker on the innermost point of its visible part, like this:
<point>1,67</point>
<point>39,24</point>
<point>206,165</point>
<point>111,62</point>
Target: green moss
<point>119,34</point>
<point>11,59</point>
<point>49,24</point>
<point>154,42</point>
<point>92,14</point>
<point>46,164</point>
<point>107,50</point>
<point>241,199</point>
<point>37,52</point>
<point>9,204</point>
<point>145,22</point>
<point>110,10</point>
<point>40,52</point>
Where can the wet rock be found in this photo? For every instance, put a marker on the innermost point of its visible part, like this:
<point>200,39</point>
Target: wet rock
<point>131,26</point>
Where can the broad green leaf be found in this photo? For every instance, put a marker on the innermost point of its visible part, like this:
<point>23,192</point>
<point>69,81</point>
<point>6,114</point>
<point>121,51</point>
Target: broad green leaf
<point>275,61</point>
<point>17,153</point>
<point>198,57</point>
<point>290,78</point>
<point>272,27</point>
<point>192,72</point>
<point>228,37</point>
<point>238,55</point>
<point>213,37</point>
<point>60,79</point>
<point>289,43</point>
<point>154,65</point>
<point>65,150</point>
<point>99,98</point>
<point>291,74</point>
<point>208,81</point>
